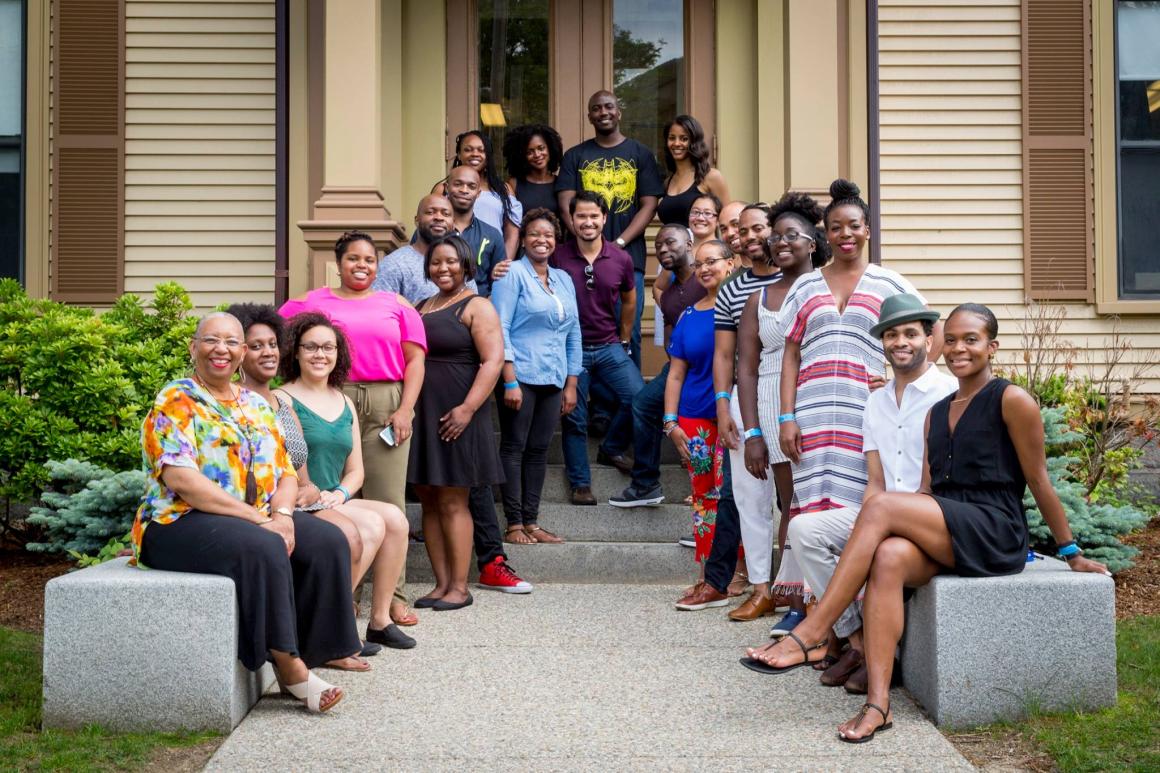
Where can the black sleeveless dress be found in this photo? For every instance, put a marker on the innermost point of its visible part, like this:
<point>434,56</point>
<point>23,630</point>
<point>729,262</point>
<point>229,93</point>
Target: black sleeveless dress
<point>675,208</point>
<point>976,479</point>
<point>452,363</point>
<point>535,195</point>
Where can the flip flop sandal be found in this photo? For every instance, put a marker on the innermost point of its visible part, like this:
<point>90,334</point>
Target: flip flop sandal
<point>335,664</point>
<point>408,618</point>
<point>540,534</point>
<point>761,667</point>
<point>507,536</point>
<point>886,724</point>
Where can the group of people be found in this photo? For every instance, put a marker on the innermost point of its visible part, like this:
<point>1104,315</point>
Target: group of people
<point>778,331</point>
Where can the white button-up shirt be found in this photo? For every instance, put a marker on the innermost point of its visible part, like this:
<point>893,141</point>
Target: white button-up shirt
<point>896,431</point>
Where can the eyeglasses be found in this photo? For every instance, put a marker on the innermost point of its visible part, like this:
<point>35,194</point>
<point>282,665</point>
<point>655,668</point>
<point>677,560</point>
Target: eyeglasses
<point>589,278</point>
<point>789,237</point>
<point>313,347</point>
<point>707,213</point>
<point>213,342</point>
<point>698,265</point>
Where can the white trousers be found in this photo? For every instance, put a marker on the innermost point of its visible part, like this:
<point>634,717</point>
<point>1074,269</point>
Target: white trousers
<point>755,499</point>
<point>818,539</point>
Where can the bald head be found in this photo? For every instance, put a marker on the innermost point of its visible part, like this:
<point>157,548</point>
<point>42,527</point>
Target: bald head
<point>729,221</point>
<point>434,216</point>
<point>218,321</point>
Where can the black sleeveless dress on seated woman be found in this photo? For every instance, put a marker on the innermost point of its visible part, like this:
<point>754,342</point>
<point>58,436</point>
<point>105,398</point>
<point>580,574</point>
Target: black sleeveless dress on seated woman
<point>674,208</point>
<point>976,479</point>
<point>452,363</point>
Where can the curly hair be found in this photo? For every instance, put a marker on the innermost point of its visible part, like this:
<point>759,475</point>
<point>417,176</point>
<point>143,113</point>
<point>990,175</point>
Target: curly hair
<point>698,148</point>
<point>515,148</point>
<point>298,326</point>
<point>350,237</point>
<point>540,213</point>
<point>250,314</point>
<point>806,210</point>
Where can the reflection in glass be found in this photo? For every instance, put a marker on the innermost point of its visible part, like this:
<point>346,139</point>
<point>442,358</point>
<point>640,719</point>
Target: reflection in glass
<point>513,66</point>
<point>11,128</point>
<point>648,66</point>
<point>1138,67</point>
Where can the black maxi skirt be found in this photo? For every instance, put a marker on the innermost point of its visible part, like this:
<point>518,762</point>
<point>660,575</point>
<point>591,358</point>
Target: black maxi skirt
<point>300,604</point>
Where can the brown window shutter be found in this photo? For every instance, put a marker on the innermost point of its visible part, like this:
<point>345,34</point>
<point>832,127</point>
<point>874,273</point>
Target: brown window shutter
<point>1058,224</point>
<point>89,163</point>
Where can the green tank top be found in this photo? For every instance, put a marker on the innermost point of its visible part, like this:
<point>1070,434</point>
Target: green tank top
<point>329,443</point>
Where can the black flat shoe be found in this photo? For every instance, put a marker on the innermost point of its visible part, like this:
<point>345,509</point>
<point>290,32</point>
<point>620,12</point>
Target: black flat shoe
<point>424,603</point>
<point>392,636</point>
<point>369,649</point>
<point>447,606</point>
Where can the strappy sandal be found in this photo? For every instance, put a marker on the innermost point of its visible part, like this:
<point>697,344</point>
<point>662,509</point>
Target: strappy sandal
<point>886,724</point>
<point>311,691</point>
<point>508,537</point>
<point>761,667</point>
<point>540,534</point>
<point>738,585</point>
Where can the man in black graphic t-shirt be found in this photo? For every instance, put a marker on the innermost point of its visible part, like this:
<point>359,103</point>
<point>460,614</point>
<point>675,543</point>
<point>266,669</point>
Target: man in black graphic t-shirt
<point>625,174</point>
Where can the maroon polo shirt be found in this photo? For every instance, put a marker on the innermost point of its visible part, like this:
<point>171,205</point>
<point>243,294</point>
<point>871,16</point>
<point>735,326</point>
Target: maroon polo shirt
<point>612,274</point>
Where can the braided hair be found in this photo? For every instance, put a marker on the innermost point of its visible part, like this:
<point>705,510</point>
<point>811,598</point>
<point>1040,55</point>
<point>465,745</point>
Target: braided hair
<point>493,179</point>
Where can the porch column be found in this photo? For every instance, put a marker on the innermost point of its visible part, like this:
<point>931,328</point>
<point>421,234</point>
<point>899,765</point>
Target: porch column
<point>353,135</point>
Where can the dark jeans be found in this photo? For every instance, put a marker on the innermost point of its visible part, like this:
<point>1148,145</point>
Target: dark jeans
<point>648,408</point>
<point>727,536</point>
<point>485,534</point>
<point>523,449</point>
<point>636,353</point>
<point>609,364</point>
<point>300,604</point>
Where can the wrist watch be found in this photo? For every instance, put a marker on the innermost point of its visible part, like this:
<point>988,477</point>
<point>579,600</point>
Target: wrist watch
<point>620,242</point>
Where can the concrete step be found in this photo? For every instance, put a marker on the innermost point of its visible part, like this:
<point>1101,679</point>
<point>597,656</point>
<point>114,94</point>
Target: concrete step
<point>608,481</point>
<point>556,450</point>
<point>599,563</point>
<point>662,524</point>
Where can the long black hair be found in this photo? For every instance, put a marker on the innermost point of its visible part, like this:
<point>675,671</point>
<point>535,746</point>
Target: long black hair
<point>515,148</point>
<point>493,180</point>
<point>698,148</point>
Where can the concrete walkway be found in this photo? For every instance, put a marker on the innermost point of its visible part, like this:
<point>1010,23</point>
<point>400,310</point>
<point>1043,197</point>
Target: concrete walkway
<point>578,677</point>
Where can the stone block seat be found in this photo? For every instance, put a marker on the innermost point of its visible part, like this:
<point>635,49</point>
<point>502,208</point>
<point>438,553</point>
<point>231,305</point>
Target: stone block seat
<point>133,649</point>
<point>980,650</point>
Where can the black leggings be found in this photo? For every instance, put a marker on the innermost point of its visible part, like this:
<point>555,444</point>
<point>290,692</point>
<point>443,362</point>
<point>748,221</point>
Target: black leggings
<point>300,604</point>
<point>523,450</point>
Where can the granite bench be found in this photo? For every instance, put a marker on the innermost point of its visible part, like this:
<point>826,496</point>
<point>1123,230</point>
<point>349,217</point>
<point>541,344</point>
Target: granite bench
<point>133,649</point>
<point>980,650</point>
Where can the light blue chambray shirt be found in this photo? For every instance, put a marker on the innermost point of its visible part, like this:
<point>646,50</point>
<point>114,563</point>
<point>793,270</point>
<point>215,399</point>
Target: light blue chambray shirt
<point>541,330</point>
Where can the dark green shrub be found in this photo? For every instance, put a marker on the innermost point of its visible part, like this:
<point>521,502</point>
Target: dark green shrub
<point>76,385</point>
<point>85,507</point>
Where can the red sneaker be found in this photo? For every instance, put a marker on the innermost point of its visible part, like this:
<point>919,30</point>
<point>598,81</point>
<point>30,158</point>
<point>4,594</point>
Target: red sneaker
<point>499,576</point>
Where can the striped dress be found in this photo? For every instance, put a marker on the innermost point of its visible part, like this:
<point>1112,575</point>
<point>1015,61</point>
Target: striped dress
<point>838,354</point>
<point>770,328</point>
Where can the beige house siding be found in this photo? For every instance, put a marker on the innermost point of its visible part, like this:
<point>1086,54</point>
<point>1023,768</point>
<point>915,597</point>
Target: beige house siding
<point>199,156</point>
<point>951,197</point>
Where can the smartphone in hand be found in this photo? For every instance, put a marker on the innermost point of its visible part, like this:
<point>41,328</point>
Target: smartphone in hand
<point>388,435</point>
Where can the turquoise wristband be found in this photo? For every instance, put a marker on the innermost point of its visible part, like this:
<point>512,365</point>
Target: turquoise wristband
<point>669,417</point>
<point>345,494</point>
<point>785,417</point>
<point>1069,550</point>
<point>511,385</point>
<point>752,433</point>
<point>721,396</point>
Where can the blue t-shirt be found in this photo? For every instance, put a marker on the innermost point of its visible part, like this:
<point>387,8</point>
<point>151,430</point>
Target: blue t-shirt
<point>692,341</point>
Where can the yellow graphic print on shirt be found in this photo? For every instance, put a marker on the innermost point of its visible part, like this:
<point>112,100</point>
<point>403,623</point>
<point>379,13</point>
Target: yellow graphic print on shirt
<point>612,178</point>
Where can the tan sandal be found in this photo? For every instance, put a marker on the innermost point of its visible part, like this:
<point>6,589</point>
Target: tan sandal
<point>540,534</point>
<point>517,535</point>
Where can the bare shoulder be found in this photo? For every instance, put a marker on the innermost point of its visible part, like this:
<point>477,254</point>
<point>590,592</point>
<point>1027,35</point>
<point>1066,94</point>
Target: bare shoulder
<point>1018,404</point>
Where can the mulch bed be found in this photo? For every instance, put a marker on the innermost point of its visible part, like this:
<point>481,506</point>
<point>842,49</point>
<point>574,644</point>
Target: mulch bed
<point>22,579</point>
<point>1138,588</point>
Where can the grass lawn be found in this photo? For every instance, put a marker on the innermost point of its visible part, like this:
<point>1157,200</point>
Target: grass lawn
<point>24,747</point>
<point>1123,738</point>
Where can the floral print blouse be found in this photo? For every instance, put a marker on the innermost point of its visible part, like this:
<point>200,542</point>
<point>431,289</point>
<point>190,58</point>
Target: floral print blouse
<point>188,427</point>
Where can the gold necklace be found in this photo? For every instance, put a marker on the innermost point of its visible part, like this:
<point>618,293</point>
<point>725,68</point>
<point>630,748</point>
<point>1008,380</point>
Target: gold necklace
<point>434,309</point>
<point>972,394</point>
<point>233,395</point>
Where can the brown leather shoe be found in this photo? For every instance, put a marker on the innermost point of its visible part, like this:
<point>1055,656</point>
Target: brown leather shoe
<point>837,674</point>
<point>754,607</point>
<point>858,682</point>
<point>702,598</point>
<point>582,495</point>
